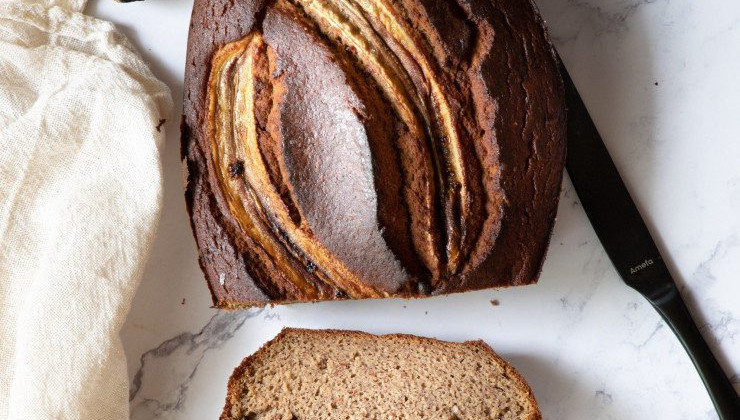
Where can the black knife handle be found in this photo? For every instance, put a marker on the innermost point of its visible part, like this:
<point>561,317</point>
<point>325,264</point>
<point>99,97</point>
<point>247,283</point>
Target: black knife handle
<point>629,245</point>
<point>673,310</point>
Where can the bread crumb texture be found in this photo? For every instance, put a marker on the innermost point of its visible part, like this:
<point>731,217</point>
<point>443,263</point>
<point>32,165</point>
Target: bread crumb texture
<point>324,374</point>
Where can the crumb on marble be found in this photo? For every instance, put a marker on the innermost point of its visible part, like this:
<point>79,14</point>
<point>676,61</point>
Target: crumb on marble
<point>604,397</point>
<point>495,302</point>
<point>183,301</point>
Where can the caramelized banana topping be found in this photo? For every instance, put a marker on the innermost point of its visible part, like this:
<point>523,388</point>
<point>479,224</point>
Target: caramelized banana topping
<point>450,199</point>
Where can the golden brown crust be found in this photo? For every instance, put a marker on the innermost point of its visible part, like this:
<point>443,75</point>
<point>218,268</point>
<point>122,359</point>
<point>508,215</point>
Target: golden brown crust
<point>463,183</point>
<point>234,393</point>
<point>514,375</point>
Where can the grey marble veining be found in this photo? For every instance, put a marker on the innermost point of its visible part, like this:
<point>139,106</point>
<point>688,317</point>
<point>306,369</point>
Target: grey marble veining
<point>179,357</point>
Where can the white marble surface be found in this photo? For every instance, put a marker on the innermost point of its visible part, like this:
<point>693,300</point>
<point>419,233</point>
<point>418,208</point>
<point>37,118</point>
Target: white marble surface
<point>661,81</point>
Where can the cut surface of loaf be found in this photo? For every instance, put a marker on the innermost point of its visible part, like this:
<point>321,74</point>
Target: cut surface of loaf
<point>349,149</point>
<point>329,374</point>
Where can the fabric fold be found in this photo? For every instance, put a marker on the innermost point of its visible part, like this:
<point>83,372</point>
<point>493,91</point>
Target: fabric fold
<point>80,196</point>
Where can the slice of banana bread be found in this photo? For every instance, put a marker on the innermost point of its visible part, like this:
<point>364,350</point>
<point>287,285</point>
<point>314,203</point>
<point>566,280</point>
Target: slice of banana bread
<point>329,374</point>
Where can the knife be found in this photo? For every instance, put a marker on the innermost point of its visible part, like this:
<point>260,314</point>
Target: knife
<point>630,247</point>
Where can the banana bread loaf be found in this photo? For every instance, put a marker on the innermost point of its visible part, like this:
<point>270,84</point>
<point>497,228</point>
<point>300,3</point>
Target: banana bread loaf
<point>370,148</point>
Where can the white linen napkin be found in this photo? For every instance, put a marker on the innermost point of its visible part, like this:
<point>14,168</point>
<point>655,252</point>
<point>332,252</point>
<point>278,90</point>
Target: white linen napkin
<point>80,195</point>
